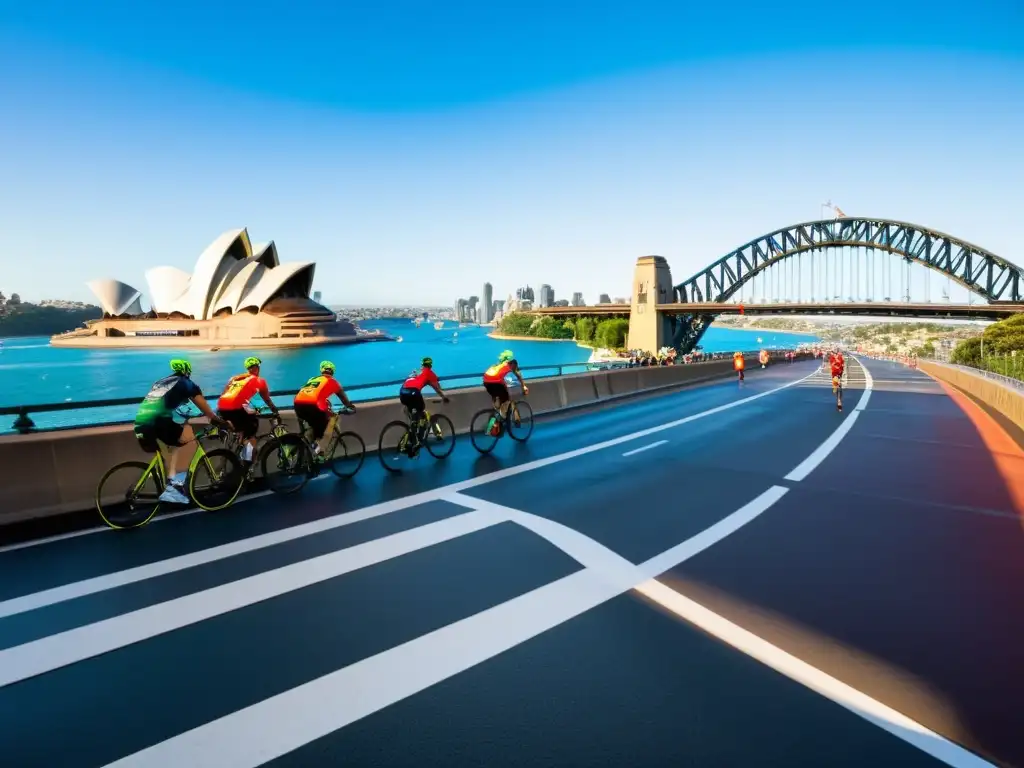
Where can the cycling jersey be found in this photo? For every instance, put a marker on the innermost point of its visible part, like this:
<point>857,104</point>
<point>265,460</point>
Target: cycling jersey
<point>496,373</point>
<point>421,379</point>
<point>837,366</point>
<point>240,391</point>
<point>317,391</point>
<point>165,397</point>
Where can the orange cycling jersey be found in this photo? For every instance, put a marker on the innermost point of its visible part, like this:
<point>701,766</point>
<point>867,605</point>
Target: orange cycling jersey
<point>496,373</point>
<point>240,390</point>
<point>316,392</point>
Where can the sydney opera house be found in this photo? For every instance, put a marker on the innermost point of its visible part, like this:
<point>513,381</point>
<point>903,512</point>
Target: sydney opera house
<point>238,295</point>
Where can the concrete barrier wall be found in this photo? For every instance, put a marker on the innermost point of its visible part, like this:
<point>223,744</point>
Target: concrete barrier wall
<point>49,473</point>
<point>1007,400</point>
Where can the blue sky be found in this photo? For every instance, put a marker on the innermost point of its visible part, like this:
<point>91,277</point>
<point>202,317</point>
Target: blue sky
<point>416,151</point>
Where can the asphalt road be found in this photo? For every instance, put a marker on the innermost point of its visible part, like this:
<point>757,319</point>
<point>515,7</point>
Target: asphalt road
<point>728,575</point>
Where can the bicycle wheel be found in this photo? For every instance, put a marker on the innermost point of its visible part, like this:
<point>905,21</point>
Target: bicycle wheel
<point>285,463</point>
<point>479,435</point>
<point>393,446</point>
<point>440,437</point>
<point>128,495</point>
<point>520,432</point>
<point>217,480</point>
<point>347,453</point>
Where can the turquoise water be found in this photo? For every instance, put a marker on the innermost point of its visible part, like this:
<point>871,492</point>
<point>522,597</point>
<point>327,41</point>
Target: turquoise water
<point>32,372</point>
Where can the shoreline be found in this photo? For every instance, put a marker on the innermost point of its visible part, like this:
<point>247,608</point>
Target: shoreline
<point>752,328</point>
<point>504,337</point>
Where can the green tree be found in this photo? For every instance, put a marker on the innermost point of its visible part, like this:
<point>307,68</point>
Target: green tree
<point>585,328</point>
<point>517,324</point>
<point>968,352</point>
<point>551,328</point>
<point>612,333</point>
<point>928,349</point>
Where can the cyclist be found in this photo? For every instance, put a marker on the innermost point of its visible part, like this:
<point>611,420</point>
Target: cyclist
<point>494,383</point>
<point>411,395</point>
<point>738,363</point>
<point>838,365</point>
<point>312,404</point>
<point>155,423</point>
<point>233,405</point>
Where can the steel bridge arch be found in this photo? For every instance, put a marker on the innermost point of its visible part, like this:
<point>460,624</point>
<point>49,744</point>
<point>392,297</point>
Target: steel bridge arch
<point>982,272</point>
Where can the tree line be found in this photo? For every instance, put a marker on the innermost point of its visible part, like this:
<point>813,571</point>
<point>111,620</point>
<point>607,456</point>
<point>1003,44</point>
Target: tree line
<point>609,333</point>
<point>20,318</point>
<point>1000,339</point>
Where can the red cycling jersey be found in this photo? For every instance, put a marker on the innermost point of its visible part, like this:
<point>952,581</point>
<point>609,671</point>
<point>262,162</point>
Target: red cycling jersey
<point>838,364</point>
<point>421,379</point>
<point>496,373</point>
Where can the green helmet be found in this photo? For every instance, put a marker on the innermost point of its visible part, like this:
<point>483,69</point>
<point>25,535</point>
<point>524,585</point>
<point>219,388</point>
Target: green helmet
<point>327,367</point>
<point>505,356</point>
<point>427,362</point>
<point>181,367</point>
<point>251,361</point>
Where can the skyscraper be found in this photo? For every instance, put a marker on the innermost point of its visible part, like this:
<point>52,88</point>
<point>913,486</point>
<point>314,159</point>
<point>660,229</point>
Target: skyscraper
<point>471,314</point>
<point>487,304</point>
<point>316,296</point>
<point>577,299</point>
<point>604,299</point>
<point>546,297</point>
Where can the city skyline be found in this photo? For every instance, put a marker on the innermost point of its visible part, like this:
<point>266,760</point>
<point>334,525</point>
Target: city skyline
<point>498,147</point>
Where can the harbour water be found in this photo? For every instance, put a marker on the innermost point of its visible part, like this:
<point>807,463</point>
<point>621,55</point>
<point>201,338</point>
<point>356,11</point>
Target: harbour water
<point>32,372</point>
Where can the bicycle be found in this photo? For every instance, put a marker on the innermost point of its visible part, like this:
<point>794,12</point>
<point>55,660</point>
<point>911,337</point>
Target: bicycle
<point>234,442</point>
<point>295,456</point>
<point>405,435</point>
<point>213,482</point>
<point>485,434</point>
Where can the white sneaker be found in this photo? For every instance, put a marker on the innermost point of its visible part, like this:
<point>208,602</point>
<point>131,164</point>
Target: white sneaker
<point>173,495</point>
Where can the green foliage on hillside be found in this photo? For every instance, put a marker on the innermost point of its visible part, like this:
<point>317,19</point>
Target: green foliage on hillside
<point>610,333</point>
<point>23,319</point>
<point>999,339</point>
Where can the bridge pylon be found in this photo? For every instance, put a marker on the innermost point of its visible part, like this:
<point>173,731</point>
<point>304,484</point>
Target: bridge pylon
<point>650,330</point>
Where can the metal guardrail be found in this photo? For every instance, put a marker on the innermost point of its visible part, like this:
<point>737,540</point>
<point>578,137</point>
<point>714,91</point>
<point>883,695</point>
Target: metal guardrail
<point>998,377</point>
<point>24,424</point>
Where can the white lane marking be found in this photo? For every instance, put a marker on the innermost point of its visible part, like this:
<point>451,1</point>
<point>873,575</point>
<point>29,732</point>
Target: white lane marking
<point>161,567</point>
<point>616,569</point>
<point>808,465</point>
<point>645,448</point>
<point>55,651</point>
<point>259,733</point>
<point>872,710</point>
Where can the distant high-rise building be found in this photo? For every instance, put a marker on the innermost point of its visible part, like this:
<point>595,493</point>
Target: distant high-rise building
<point>547,296</point>
<point>316,296</point>
<point>525,294</point>
<point>561,303</point>
<point>487,304</point>
<point>604,299</point>
<point>621,301</point>
<point>577,299</point>
<point>499,306</point>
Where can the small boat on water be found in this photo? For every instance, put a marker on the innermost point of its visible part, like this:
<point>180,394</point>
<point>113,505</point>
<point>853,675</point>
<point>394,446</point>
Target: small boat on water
<point>399,338</point>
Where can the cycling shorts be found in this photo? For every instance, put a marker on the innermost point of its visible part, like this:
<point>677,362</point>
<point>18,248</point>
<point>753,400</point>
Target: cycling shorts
<point>163,429</point>
<point>312,415</point>
<point>248,424</point>
<point>497,390</point>
<point>412,399</point>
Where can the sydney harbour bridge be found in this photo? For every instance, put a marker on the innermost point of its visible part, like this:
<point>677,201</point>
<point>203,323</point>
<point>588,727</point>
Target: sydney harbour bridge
<point>842,266</point>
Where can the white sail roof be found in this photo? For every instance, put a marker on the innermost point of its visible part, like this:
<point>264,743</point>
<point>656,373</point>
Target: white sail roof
<point>115,297</point>
<point>229,274</point>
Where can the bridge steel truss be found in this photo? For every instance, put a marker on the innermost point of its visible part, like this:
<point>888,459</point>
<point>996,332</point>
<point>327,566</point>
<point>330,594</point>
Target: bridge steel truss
<point>978,270</point>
